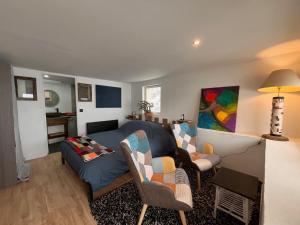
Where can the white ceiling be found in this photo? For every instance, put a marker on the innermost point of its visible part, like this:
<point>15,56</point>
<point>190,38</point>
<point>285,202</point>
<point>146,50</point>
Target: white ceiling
<point>134,40</point>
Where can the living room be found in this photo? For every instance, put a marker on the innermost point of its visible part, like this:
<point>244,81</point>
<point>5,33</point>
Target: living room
<point>207,91</point>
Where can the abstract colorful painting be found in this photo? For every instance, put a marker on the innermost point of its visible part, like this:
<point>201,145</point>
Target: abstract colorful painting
<point>218,108</point>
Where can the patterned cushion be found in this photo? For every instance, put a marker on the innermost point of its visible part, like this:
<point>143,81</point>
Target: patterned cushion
<point>141,154</point>
<point>185,135</point>
<point>163,165</point>
<point>178,182</point>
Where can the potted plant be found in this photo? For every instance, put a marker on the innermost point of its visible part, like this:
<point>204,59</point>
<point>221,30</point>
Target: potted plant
<point>146,107</point>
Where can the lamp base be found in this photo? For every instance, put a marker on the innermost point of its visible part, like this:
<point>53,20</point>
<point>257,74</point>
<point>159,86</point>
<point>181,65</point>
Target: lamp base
<point>274,137</point>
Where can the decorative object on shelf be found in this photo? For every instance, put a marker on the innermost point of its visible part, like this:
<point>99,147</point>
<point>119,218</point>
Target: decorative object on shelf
<point>132,117</point>
<point>218,108</point>
<point>156,120</point>
<point>51,98</point>
<point>25,88</point>
<point>181,121</point>
<point>84,92</point>
<point>146,107</point>
<point>182,117</point>
<point>284,80</point>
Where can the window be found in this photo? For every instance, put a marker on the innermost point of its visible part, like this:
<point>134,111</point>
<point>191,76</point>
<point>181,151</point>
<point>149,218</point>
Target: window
<point>152,95</point>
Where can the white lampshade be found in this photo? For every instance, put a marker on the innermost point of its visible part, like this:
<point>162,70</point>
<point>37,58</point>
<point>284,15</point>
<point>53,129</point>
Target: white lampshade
<point>284,80</point>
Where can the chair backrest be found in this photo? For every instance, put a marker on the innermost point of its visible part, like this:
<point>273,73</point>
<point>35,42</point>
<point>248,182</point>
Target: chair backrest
<point>185,135</point>
<point>137,147</point>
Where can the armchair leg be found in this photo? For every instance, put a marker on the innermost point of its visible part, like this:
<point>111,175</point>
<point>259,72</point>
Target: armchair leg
<point>215,170</point>
<point>182,217</point>
<point>145,206</point>
<point>198,180</point>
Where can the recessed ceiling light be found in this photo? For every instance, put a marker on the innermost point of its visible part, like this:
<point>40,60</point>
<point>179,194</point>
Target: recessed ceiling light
<point>196,43</point>
<point>46,76</point>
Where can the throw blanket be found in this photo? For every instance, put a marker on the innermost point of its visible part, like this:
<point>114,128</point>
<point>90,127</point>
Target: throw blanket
<point>87,148</point>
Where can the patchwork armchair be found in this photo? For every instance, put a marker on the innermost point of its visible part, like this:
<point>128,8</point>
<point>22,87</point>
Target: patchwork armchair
<point>158,181</point>
<point>186,135</point>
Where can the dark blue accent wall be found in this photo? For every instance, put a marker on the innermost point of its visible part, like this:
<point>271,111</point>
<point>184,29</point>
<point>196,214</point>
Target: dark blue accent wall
<point>108,97</point>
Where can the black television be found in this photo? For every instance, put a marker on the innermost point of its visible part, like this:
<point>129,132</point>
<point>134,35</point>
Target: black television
<point>108,97</point>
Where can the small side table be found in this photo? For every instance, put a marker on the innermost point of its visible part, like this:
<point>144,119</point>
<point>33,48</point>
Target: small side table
<point>235,193</point>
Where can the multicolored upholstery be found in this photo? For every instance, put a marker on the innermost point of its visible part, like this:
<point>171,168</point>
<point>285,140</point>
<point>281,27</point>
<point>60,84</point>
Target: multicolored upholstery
<point>186,135</point>
<point>159,171</point>
<point>141,154</point>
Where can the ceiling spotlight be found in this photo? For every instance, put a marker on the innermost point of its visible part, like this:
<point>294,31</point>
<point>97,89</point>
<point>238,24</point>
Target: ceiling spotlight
<point>196,43</point>
<point>46,76</point>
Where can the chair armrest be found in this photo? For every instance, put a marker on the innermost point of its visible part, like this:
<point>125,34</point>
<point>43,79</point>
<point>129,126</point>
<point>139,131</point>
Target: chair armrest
<point>163,164</point>
<point>208,148</point>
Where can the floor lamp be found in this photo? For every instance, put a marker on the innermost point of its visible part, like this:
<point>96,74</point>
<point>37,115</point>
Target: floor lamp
<point>279,81</point>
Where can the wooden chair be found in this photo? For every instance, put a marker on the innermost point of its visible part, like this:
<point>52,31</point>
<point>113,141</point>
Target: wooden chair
<point>158,181</point>
<point>185,135</point>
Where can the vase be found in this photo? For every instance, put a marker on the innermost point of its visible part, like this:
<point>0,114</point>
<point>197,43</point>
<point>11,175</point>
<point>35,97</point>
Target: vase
<point>148,116</point>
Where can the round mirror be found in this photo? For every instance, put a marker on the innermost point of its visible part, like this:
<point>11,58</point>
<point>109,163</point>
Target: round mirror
<point>51,98</point>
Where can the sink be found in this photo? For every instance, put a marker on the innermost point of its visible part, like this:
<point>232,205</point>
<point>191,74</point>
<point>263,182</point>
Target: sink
<point>54,114</point>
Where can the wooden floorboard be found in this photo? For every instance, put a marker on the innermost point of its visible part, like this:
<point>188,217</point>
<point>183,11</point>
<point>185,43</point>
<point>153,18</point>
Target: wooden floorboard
<point>53,195</point>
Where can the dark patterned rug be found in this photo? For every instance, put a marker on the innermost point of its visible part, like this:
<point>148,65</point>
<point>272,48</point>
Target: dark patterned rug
<point>123,206</point>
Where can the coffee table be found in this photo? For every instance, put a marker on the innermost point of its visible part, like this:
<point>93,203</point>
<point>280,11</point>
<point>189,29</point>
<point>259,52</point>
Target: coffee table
<point>235,193</point>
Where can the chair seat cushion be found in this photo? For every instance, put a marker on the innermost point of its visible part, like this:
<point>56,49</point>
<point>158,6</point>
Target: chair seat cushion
<point>204,161</point>
<point>178,181</point>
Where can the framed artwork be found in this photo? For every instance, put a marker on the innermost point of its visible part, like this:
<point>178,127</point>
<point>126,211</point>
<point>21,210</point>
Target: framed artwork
<point>84,92</point>
<point>108,97</point>
<point>218,108</point>
<point>25,88</point>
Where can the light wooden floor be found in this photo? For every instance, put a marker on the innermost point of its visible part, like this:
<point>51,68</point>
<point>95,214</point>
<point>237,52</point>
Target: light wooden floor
<point>53,195</point>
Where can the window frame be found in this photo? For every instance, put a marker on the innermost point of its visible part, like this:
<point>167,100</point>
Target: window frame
<point>145,95</point>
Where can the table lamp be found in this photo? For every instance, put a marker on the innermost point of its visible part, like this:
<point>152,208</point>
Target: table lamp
<point>284,80</point>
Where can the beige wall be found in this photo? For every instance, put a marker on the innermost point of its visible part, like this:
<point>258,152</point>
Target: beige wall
<point>181,93</point>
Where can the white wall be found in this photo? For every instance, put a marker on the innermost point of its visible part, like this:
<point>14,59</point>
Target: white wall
<point>32,120</point>
<point>32,114</point>
<point>91,113</point>
<point>244,153</point>
<point>64,92</point>
<point>281,196</point>
<point>181,94</point>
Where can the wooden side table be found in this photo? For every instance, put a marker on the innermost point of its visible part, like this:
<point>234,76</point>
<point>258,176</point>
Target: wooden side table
<point>235,193</point>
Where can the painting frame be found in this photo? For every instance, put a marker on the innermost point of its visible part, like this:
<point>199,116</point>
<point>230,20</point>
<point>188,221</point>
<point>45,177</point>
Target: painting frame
<point>218,108</point>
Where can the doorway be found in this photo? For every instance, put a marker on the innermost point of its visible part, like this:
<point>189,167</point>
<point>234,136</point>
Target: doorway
<point>60,103</point>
